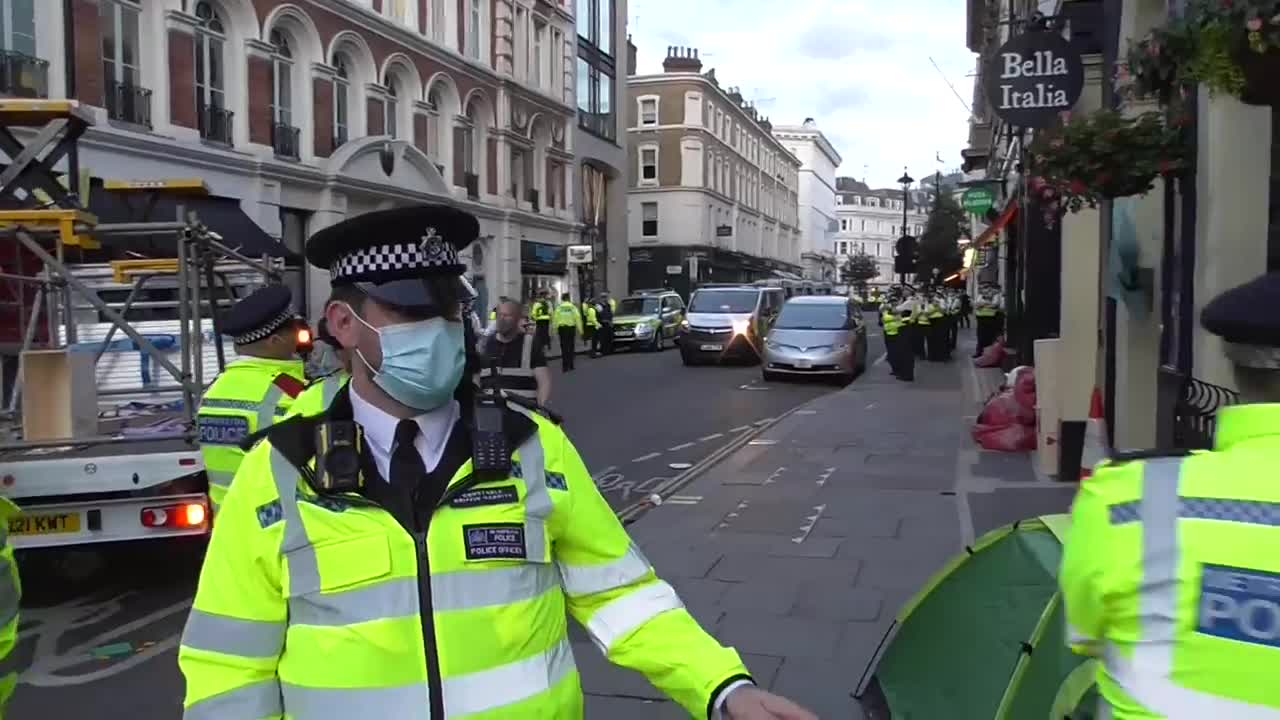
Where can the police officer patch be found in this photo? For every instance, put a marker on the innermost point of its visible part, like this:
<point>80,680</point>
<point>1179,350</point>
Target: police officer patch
<point>1239,604</point>
<point>499,541</point>
<point>479,497</point>
<point>219,430</point>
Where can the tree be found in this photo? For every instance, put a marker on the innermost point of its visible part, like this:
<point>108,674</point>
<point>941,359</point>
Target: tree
<point>858,269</point>
<point>939,244</point>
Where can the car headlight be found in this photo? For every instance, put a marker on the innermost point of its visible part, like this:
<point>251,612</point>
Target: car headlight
<point>740,327</point>
<point>644,328</point>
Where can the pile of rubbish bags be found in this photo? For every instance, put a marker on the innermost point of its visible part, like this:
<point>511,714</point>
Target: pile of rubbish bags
<point>1008,421</point>
<point>991,356</point>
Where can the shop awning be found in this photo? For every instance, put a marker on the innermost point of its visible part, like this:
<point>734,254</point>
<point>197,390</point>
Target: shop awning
<point>1001,222</point>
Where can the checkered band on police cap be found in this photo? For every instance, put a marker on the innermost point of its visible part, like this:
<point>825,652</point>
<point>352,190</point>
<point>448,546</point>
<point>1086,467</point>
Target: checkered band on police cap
<point>431,253</point>
<point>265,330</point>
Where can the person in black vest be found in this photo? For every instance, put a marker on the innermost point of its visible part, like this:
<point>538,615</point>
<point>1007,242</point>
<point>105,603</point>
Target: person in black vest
<point>513,361</point>
<point>604,315</point>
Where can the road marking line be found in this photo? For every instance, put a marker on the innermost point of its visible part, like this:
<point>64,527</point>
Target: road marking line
<point>741,428</point>
<point>881,359</point>
<point>712,436</point>
<point>683,500</point>
<point>806,412</point>
<point>650,456</point>
<point>604,472</point>
<point>681,446</point>
<point>870,405</point>
<point>762,421</point>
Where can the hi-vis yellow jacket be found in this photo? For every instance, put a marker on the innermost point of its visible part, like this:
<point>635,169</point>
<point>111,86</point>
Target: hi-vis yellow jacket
<point>317,395</point>
<point>314,607</point>
<point>1171,576</point>
<point>251,394</point>
<point>10,595</point>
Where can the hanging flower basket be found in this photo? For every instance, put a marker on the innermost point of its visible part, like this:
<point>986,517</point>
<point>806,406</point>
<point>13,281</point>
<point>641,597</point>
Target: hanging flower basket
<point>1230,46</point>
<point>1101,156</point>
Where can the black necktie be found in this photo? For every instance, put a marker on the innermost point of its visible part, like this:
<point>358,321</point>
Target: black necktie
<point>407,468</point>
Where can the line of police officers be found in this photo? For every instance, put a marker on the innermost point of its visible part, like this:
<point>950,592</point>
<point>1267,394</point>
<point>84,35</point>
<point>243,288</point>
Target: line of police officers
<point>919,325</point>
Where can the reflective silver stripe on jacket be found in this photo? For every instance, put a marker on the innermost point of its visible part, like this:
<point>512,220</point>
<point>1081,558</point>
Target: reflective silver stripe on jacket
<point>233,636</point>
<point>1146,676</point>
<point>267,410</point>
<point>258,700</point>
<point>537,500</point>
<point>591,579</point>
<point>621,617</point>
<point>329,388</point>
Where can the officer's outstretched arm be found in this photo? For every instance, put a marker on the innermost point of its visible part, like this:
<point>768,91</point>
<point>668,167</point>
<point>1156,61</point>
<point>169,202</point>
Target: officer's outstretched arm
<point>235,633</point>
<point>1083,563</point>
<point>633,616</point>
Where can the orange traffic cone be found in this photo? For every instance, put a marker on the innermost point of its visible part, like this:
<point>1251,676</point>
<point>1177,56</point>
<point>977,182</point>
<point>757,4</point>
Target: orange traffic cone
<point>1095,438</point>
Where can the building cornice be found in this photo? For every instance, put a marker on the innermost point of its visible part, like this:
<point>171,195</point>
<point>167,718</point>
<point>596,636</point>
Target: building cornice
<point>815,136</point>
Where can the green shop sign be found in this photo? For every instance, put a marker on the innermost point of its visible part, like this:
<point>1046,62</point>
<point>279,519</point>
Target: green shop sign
<point>977,200</point>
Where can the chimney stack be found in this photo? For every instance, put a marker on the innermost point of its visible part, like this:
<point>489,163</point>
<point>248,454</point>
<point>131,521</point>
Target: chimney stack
<point>681,60</point>
<point>631,56</point>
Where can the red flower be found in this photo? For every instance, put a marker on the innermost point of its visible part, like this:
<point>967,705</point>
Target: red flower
<point>1077,188</point>
<point>1166,167</point>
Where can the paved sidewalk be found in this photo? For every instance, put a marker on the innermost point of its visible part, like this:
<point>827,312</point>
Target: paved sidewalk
<point>799,548</point>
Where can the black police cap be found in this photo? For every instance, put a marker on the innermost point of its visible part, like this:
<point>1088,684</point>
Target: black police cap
<point>407,257</point>
<point>258,315</point>
<point>1247,314</point>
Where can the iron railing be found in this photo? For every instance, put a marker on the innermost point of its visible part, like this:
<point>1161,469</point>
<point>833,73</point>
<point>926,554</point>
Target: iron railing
<point>129,103</point>
<point>215,123</point>
<point>285,140</point>
<point>1195,413</point>
<point>23,76</point>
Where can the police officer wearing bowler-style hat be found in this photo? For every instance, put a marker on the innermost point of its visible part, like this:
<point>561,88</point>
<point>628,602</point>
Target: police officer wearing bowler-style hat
<point>1171,571</point>
<point>361,568</point>
<point>254,390</point>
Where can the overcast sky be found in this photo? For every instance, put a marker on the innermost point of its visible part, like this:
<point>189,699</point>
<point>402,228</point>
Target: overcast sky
<point>860,68</point>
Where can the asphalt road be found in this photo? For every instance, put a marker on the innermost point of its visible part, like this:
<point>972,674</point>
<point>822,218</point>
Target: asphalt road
<point>103,647</point>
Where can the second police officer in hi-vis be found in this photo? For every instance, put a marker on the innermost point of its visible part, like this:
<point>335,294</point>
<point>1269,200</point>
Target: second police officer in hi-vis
<point>412,552</point>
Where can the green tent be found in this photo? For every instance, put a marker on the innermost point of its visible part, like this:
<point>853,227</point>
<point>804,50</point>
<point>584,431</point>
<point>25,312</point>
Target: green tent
<point>985,638</point>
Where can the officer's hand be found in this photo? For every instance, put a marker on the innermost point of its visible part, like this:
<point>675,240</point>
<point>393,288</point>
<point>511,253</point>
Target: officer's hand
<point>749,702</point>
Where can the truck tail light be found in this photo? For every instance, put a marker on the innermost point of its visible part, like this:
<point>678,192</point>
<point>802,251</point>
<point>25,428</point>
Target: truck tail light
<point>181,516</point>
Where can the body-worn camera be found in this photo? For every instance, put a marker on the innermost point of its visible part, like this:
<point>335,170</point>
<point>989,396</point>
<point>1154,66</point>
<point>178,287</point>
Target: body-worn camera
<point>338,445</point>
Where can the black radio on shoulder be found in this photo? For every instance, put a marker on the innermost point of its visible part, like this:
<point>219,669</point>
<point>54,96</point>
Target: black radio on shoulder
<point>490,454</point>
<point>338,445</point>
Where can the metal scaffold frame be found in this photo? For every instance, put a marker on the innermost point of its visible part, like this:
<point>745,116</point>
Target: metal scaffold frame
<point>59,221</point>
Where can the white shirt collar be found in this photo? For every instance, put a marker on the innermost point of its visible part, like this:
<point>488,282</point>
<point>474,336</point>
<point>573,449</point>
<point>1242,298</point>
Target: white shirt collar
<point>434,428</point>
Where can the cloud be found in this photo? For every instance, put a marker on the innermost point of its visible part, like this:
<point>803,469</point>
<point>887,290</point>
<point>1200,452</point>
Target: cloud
<point>860,68</point>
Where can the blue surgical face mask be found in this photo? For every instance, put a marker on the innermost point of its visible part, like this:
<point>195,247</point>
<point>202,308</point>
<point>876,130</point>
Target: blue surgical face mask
<point>422,361</point>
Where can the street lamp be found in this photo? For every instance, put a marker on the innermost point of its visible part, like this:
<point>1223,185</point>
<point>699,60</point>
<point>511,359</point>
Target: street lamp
<point>905,181</point>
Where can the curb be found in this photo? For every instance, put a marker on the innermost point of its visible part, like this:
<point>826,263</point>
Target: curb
<point>637,510</point>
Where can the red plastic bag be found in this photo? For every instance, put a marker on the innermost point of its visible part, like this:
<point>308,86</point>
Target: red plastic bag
<point>1005,438</point>
<point>1002,409</point>
<point>1024,393</point>
<point>992,356</point>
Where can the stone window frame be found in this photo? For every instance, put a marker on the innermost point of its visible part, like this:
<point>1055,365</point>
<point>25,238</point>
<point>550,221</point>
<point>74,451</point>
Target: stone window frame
<point>657,107</point>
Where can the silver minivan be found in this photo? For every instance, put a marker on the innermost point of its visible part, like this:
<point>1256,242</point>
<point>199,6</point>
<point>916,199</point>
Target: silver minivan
<point>816,335</point>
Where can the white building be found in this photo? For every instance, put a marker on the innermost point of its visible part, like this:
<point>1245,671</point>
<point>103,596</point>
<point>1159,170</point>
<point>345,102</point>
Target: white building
<point>870,221</point>
<point>818,163</point>
<point>306,114</point>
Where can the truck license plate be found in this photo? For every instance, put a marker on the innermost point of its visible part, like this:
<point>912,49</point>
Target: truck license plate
<point>711,348</point>
<point>45,524</point>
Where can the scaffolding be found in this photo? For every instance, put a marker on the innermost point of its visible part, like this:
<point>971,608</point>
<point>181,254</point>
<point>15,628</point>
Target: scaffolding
<point>49,218</point>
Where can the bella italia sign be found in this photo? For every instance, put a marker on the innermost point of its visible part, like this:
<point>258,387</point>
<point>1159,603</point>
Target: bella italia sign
<point>1032,78</point>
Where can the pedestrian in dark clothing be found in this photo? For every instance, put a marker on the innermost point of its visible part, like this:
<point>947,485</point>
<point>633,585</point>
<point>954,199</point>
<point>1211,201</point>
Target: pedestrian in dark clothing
<point>604,316</point>
<point>966,309</point>
<point>568,321</point>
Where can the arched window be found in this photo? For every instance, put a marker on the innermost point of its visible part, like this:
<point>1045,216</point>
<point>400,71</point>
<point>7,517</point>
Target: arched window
<point>283,134</point>
<point>433,126</point>
<point>341,100</point>
<point>211,94</point>
<point>391,107</point>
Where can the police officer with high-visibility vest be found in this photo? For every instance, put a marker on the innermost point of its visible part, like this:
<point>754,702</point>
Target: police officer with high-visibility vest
<point>414,550</point>
<point>10,599</point>
<point>1171,570</point>
<point>568,327</point>
<point>254,390</point>
<point>590,326</point>
<point>986,310</point>
<point>540,313</point>
<point>322,390</point>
